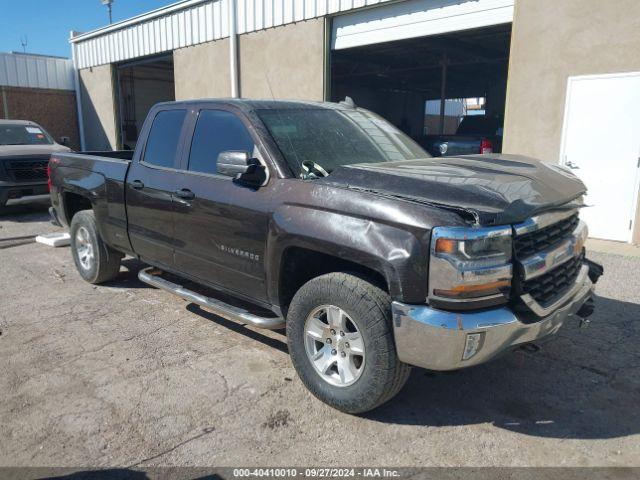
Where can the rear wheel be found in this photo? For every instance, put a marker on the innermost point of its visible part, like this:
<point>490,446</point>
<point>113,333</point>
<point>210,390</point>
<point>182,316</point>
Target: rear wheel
<point>95,260</point>
<point>341,342</point>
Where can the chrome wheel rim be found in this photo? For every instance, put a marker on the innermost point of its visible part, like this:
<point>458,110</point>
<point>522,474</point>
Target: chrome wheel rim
<point>334,345</point>
<point>84,248</point>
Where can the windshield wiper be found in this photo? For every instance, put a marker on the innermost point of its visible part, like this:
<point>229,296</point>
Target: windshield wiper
<point>14,144</point>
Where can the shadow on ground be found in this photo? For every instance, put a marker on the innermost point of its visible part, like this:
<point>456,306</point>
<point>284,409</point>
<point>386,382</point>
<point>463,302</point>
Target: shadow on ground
<point>583,385</point>
<point>29,212</point>
<point>128,276</point>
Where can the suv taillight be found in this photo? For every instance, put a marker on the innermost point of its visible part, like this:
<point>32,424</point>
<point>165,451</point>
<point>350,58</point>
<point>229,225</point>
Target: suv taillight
<point>486,146</point>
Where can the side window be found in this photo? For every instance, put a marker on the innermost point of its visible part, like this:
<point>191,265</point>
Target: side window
<point>162,144</point>
<point>216,131</point>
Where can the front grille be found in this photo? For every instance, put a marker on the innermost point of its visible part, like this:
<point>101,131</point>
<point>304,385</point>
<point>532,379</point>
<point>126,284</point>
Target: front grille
<point>547,288</point>
<point>27,170</point>
<point>531,243</point>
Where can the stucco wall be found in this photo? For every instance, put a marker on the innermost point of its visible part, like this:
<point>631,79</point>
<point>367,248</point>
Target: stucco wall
<point>290,59</point>
<point>96,87</point>
<point>202,71</point>
<point>552,41</point>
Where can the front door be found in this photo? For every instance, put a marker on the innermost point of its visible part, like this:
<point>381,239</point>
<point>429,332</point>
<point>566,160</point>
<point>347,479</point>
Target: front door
<point>151,186</point>
<point>220,226</point>
<point>601,145</point>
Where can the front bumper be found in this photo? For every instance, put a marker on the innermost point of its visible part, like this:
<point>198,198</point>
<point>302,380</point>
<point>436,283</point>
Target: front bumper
<point>436,339</point>
<point>18,193</point>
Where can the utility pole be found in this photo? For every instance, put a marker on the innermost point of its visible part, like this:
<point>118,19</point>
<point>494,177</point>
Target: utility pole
<point>108,4</point>
<point>24,41</point>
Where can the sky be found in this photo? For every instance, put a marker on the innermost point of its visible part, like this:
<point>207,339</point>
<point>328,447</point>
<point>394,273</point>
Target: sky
<point>46,23</point>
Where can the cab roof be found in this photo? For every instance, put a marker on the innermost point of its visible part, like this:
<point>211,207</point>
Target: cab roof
<point>251,105</point>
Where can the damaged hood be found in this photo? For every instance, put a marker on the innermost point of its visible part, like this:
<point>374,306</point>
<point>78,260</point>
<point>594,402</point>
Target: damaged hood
<point>494,189</point>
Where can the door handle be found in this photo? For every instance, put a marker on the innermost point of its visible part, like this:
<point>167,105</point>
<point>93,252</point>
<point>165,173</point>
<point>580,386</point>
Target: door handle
<point>137,184</point>
<point>186,194</point>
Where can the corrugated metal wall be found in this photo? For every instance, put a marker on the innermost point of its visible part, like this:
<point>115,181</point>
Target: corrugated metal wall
<point>35,71</point>
<point>196,21</point>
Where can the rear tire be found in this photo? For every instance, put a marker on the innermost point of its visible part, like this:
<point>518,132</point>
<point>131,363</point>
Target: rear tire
<point>95,260</point>
<point>374,374</point>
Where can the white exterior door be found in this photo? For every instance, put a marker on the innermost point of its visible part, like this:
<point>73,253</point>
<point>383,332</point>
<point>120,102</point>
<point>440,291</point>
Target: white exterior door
<point>601,144</point>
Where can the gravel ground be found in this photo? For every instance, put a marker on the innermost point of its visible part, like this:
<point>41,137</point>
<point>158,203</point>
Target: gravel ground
<point>123,375</point>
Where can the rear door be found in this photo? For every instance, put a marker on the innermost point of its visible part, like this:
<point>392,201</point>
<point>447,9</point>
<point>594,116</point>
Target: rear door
<point>601,145</point>
<point>221,231</point>
<point>151,184</point>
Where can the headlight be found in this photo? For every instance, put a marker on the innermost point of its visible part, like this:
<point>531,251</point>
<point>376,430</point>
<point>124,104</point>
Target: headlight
<point>470,267</point>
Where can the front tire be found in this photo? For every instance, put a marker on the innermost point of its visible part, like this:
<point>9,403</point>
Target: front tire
<point>95,260</point>
<point>341,342</point>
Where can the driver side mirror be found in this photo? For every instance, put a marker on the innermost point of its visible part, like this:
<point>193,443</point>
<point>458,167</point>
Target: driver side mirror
<point>244,169</point>
<point>64,141</point>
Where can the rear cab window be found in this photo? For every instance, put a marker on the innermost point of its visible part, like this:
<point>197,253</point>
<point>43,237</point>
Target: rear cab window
<point>217,131</point>
<point>164,138</point>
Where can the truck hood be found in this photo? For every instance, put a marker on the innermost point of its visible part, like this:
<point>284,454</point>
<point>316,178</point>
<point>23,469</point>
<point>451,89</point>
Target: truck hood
<point>492,189</point>
<point>20,150</point>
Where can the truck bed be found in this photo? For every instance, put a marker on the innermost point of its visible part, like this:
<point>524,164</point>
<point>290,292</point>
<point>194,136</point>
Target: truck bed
<point>99,176</point>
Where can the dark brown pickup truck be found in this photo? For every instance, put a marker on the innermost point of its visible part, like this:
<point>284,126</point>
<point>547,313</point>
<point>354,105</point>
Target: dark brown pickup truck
<point>328,220</point>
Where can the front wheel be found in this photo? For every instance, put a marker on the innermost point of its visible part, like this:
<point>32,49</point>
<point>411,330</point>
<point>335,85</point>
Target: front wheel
<point>341,342</point>
<point>95,260</point>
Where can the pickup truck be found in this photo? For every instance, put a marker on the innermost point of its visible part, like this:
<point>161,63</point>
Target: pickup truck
<point>475,134</point>
<point>328,221</point>
<point>25,148</point>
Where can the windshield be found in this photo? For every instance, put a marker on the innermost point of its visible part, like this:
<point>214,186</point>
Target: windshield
<point>23,135</point>
<point>329,138</point>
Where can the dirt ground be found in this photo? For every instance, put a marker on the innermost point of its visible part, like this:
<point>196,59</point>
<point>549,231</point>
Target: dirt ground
<point>123,375</point>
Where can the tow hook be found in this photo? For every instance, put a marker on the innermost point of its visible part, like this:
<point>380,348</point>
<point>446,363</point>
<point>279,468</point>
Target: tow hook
<point>595,270</point>
<point>585,311</point>
<point>530,348</point>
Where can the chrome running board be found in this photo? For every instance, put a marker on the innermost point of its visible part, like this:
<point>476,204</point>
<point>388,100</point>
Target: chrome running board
<point>218,307</point>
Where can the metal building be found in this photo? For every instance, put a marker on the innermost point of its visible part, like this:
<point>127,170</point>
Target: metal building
<point>538,65</point>
<point>39,88</point>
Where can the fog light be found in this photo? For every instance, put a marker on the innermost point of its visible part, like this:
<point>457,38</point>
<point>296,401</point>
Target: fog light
<point>472,345</point>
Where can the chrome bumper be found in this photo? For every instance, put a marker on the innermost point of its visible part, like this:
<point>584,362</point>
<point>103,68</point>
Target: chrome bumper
<point>436,339</point>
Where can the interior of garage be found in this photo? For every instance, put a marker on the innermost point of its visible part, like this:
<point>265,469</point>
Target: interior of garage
<point>404,80</point>
<point>141,85</point>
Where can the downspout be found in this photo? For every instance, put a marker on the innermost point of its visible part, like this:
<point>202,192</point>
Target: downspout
<point>76,81</point>
<point>233,49</point>
<point>5,105</point>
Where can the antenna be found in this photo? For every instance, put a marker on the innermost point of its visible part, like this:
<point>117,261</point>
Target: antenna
<point>108,4</point>
<point>24,41</point>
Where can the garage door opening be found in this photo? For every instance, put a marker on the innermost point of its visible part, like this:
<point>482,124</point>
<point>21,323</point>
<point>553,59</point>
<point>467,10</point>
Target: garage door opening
<point>429,86</point>
<point>141,85</point>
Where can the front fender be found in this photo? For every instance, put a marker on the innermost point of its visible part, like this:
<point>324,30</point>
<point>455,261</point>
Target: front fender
<point>398,254</point>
